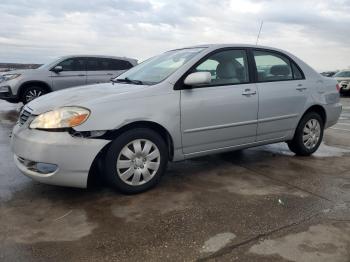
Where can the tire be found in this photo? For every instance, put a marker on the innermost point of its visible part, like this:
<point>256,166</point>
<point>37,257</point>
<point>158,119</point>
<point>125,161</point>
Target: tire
<point>134,171</point>
<point>312,139</point>
<point>32,92</point>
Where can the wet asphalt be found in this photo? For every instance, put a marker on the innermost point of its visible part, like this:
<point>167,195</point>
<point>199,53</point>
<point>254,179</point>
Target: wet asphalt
<point>260,204</point>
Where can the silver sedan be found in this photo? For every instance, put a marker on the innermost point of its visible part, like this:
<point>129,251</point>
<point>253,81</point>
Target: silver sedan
<point>181,104</point>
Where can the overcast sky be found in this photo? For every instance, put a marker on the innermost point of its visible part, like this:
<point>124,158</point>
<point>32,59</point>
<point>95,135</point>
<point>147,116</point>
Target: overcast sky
<point>39,30</point>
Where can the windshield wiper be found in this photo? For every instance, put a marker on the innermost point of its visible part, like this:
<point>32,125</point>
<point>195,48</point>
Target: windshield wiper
<point>128,80</point>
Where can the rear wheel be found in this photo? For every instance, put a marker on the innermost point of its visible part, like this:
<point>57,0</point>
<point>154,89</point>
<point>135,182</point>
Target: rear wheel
<point>32,92</point>
<point>136,160</point>
<point>308,135</point>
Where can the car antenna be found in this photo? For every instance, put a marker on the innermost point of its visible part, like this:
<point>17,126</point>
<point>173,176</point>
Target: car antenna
<point>257,38</point>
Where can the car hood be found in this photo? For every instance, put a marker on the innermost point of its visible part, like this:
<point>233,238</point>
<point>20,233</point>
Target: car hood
<point>16,72</point>
<point>85,96</point>
<point>340,79</point>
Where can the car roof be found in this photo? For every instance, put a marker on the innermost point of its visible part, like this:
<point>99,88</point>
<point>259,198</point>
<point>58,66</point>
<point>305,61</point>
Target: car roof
<point>98,56</point>
<point>217,46</point>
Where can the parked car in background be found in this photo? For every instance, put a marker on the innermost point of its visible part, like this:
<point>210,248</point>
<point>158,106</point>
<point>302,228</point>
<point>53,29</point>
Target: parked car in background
<point>181,104</point>
<point>343,78</point>
<point>69,71</point>
<point>329,73</point>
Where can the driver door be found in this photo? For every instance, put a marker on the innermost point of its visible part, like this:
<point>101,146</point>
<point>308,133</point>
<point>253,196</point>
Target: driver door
<point>222,114</point>
<point>73,73</point>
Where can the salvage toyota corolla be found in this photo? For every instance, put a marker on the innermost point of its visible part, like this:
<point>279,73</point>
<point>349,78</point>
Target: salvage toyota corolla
<point>181,104</point>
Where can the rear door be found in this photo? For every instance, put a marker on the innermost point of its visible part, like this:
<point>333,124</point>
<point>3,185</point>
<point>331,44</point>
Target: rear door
<point>222,114</point>
<point>101,70</point>
<point>73,73</point>
<point>283,92</point>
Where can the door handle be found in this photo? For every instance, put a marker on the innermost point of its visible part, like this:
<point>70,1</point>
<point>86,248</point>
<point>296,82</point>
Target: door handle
<point>248,92</point>
<point>300,87</point>
<point>81,75</point>
<point>109,74</point>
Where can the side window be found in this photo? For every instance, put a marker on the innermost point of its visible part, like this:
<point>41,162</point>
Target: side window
<point>92,64</point>
<point>107,64</point>
<point>208,66</point>
<point>73,64</point>
<point>104,64</point>
<point>297,74</point>
<point>117,64</point>
<point>272,66</point>
<point>226,67</point>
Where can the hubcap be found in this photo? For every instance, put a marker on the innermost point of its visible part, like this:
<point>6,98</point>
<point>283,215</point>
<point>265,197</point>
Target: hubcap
<point>138,162</point>
<point>32,94</point>
<point>311,133</point>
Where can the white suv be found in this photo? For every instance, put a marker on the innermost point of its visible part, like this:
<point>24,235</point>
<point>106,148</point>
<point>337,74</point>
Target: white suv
<point>26,85</point>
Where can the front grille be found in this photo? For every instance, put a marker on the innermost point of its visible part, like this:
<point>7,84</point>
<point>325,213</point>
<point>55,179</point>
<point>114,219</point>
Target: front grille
<point>23,117</point>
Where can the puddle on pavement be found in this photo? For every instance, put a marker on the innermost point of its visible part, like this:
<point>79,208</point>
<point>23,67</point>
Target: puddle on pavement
<point>320,243</point>
<point>239,180</point>
<point>45,223</point>
<point>8,117</point>
<point>323,151</point>
<point>217,242</point>
<point>137,206</point>
<point>8,113</point>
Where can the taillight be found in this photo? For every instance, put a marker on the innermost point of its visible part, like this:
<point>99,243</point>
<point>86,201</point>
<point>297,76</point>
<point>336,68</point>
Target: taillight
<point>338,87</point>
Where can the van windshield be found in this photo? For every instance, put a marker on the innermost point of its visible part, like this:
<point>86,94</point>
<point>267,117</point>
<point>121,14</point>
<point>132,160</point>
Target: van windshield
<point>158,68</point>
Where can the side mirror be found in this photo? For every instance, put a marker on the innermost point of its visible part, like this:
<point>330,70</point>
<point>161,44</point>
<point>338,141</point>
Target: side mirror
<point>57,69</point>
<point>198,78</point>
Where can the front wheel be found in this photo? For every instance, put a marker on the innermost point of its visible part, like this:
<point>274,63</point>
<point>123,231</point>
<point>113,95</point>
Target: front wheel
<point>308,135</point>
<point>136,160</point>
<point>32,92</point>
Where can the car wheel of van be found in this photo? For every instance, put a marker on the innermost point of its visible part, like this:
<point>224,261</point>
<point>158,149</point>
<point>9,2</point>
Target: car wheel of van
<point>136,160</point>
<point>308,135</point>
<point>32,92</point>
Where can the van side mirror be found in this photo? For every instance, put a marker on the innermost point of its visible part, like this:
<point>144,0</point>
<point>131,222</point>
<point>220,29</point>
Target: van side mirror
<point>57,69</point>
<point>198,78</point>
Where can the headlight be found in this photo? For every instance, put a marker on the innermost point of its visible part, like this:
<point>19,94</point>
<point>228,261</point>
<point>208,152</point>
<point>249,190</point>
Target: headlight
<point>64,117</point>
<point>7,77</point>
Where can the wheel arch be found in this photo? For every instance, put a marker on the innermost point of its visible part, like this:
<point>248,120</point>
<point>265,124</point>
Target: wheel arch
<point>314,108</point>
<point>32,83</point>
<point>96,165</point>
<point>158,128</point>
<point>317,109</point>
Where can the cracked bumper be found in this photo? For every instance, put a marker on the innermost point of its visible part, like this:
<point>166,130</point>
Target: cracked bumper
<point>72,156</point>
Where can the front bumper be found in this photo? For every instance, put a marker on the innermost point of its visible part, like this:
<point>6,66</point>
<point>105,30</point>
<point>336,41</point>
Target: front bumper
<point>344,87</point>
<point>72,156</point>
<point>6,93</point>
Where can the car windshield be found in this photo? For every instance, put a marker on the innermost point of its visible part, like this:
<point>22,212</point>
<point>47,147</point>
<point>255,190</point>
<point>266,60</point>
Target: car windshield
<point>342,74</point>
<point>49,64</point>
<point>158,68</point>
